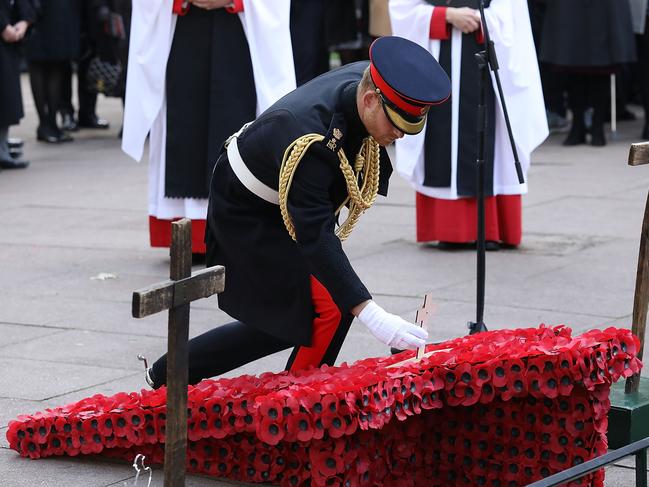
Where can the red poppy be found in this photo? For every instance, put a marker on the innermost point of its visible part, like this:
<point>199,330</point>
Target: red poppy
<point>487,393</point>
<point>549,385</point>
<point>271,408</point>
<point>482,374</point>
<point>270,431</point>
<point>498,373</point>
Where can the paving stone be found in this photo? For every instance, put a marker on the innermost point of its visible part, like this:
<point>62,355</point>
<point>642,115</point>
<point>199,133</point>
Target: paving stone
<point>33,379</point>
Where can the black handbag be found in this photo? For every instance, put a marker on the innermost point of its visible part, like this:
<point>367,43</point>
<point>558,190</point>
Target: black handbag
<point>104,77</point>
<point>105,74</point>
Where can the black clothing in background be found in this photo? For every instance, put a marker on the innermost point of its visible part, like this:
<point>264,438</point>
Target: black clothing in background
<point>11,106</point>
<point>207,103</point>
<point>56,36</point>
<point>587,33</point>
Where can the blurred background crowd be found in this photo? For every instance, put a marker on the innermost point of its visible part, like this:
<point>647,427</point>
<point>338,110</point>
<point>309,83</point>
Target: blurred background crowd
<point>593,58</point>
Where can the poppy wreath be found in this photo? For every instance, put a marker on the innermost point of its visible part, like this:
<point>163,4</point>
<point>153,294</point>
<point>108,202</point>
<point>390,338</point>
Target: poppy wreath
<point>500,408</point>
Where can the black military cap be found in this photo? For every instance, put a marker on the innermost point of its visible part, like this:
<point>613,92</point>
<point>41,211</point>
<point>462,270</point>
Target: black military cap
<point>409,81</point>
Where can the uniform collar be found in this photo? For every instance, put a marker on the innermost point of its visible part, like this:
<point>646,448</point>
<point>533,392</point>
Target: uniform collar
<point>350,110</point>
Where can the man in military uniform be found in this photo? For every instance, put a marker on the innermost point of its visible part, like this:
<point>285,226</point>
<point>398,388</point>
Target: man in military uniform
<point>275,197</point>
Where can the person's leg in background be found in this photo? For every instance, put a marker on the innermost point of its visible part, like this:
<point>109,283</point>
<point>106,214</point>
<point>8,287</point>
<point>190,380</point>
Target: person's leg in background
<point>598,94</point>
<point>45,79</point>
<point>576,84</point>
<point>87,116</point>
<point>68,122</point>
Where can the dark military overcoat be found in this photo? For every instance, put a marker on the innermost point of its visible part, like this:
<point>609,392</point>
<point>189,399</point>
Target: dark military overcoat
<point>267,283</point>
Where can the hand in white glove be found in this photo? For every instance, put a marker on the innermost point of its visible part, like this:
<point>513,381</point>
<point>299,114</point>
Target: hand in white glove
<point>391,329</point>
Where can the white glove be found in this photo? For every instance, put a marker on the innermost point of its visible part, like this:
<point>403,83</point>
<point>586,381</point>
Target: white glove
<point>391,329</point>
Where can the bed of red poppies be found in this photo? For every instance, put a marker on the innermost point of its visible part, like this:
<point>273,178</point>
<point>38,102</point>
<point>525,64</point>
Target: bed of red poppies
<point>501,408</point>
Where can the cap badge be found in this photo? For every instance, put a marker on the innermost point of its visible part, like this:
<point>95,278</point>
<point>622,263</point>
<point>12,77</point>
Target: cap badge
<point>338,134</point>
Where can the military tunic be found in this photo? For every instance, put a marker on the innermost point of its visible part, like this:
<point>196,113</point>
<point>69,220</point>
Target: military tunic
<point>268,273</point>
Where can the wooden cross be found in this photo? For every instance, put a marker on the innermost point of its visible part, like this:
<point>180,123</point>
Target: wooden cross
<point>638,155</point>
<point>175,295</point>
<point>423,313</point>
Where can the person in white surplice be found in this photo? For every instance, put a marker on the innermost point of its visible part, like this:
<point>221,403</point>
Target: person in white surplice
<point>197,72</point>
<point>440,162</point>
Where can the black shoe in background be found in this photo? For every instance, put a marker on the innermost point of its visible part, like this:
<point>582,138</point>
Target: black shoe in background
<point>15,152</point>
<point>52,136</point>
<point>15,143</point>
<point>68,123</point>
<point>93,122</point>
<point>577,135</point>
<point>13,164</point>
<point>597,138</point>
<point>491,245</point>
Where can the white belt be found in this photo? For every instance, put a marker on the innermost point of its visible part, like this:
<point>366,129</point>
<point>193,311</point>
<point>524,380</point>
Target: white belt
<point>244,175</point>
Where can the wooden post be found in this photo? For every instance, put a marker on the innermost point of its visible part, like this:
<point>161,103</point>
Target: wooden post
<point>638,155</point>
<point>176,295</point>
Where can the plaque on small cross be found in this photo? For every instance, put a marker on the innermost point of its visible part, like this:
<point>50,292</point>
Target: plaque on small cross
<point>175,295</point>
<point>421,318</point>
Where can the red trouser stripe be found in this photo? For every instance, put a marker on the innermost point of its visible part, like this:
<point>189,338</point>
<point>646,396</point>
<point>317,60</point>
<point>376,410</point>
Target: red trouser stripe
<point>324,328</point>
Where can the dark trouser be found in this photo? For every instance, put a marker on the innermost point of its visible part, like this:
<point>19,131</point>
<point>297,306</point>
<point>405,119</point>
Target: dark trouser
<point>46,79</point>
<point>87,98</point>
<point>230,346</point>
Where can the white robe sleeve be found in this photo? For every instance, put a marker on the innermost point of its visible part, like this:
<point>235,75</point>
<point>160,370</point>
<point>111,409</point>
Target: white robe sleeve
<point>411,19</point>
<point>510,29</point>
<point>152,27</point>
<point>267,28</point>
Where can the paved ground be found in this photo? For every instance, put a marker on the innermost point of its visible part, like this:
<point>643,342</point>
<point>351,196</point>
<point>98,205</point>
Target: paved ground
<point>80,210</point>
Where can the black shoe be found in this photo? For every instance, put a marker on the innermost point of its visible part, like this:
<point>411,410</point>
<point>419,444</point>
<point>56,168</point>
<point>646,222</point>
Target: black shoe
<point>15,143</point>
<point>13,164</point>
<point>52,136</point>
<point>68,123</point>
<point>576,136</point>
<point>492,245</point>
<point>93,122</point>
<point>597,138</point>
<point>442,245</point>
<point>198,259</point>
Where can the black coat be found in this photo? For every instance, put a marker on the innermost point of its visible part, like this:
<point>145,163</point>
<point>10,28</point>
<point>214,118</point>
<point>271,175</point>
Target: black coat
<point>267,283</point>
<point>587,33</point>
<point>11,105</point>
<point>56,35</point>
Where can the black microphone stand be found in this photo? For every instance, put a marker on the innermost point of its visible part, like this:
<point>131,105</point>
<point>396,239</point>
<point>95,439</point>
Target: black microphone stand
<point>486,60</point>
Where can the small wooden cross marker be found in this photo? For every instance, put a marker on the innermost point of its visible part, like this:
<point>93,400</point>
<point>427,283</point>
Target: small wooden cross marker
<point>423,313</point>
<point>427,309</point>
<point>175,295</point>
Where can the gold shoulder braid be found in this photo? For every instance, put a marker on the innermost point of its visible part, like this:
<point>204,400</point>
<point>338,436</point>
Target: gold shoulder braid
<point>366,168</point>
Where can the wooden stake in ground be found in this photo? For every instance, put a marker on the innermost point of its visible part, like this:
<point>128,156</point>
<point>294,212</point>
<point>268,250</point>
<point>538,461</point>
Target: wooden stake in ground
<point>175,295</point>
<point>638,155</point>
